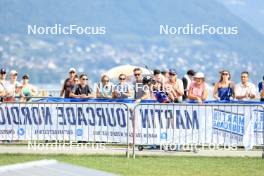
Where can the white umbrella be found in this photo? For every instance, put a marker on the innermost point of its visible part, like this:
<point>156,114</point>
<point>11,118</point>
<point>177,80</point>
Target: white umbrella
<point>124,69</point>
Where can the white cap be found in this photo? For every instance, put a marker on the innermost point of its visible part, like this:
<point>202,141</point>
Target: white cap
<point>12,72</point>
<point>199,75</point>
<point>72,69</point>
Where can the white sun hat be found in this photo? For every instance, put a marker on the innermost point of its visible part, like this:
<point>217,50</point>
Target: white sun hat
<point>199,75</point>
<point>72,70</point>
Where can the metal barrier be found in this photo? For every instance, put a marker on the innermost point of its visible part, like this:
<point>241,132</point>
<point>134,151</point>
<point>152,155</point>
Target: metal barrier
<point>89,122</point>
<point>140,125</point>
<point>198,124</point>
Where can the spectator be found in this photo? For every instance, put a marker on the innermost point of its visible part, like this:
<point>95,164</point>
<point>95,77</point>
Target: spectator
<point>13,87</point>
<point>160,95</point>
<point>261,89</point>
<point>245,90</point>
<point>224,89</point>
<point>158,76</point>
<point>174,87</point>
<point>122,89</point>
<point>104,88</point>
<point>3,84</point>
<point>198,88</point>
<point>76,80</point>
<point>138,84</point>
<point>166,75</point>
<point>27,90</point>
<point>148,89</point>
<point>68,84</point>
<point>82,90</point>
<point>187,79</point>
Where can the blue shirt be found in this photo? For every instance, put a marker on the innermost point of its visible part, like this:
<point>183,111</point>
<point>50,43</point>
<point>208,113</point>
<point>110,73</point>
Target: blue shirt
<point>224,93</point>
<point>260,86</point>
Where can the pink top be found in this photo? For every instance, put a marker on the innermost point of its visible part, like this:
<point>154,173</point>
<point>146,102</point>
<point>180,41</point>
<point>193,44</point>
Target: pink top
<point>197,91</point>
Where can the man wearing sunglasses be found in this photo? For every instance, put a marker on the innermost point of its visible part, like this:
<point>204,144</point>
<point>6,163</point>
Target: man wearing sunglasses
<point>174,87</point>
<point>82,90</point>
<point>245,90</point>
<point>68,84</point>
<point>138,84</point>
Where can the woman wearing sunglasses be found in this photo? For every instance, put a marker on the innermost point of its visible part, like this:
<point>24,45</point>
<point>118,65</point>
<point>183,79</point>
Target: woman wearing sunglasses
<point>122,89</point>
<point>104,88</point>
<point>224,88</point>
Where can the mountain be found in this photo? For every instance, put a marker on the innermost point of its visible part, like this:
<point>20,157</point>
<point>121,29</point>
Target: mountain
<point>132,37</point>
<point>250,11</point>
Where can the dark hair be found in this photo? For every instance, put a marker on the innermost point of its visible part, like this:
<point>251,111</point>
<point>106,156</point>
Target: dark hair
<point>221,77</point>
<point>263,78</point>
<point>103,77</point>
<point>245,72</point>
<point>191,72</point>
<point>163,72</point>
<point>82,75</point>
<point>137,69</point>
<point>26,76</point>
<point>156,71</point>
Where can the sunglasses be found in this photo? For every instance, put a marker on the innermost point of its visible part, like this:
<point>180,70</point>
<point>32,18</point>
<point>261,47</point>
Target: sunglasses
<point>122,78</point>
<point>225,74</point>
<point>85,79</point>
<point>25,78</point>
<point>3,73</point>
<point>137,74</point>
<point>71,72</point>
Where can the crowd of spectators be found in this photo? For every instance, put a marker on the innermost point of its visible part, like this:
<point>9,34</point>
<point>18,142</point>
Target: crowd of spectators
<point>163,86</point>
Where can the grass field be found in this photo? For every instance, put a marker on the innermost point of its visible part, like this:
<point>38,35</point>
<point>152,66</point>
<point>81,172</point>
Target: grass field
<point>174,165</point>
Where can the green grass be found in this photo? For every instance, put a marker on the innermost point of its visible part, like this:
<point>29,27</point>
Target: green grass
<point>174,165</point>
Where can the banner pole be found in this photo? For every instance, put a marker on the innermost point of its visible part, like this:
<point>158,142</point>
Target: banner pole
<point>134,133</point>
<point>128,124</point>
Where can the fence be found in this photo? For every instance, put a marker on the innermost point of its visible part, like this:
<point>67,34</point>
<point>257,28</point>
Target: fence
<point>90,122</point>
<point>140,125</point>
<point>194,124</point>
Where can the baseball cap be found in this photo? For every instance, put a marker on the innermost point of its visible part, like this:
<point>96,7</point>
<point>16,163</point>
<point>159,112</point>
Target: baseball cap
<point>172,71</point>
<point>3,71</point>
<point>72,70</point>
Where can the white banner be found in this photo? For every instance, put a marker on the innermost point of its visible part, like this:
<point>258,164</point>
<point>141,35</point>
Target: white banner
<point>155,124</point>
<point>199,124</point>
<point>73,122</point>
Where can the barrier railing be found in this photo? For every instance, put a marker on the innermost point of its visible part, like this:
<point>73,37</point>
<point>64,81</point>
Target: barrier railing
<point>198,124</point>
<point>87,122</point>
<point>140,125</point>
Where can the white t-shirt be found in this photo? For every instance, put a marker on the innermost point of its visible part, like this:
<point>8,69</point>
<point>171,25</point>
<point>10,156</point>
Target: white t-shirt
<point>3,85</point>
<point>241,90</point>
<point>11,87</point>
